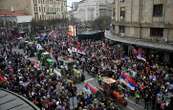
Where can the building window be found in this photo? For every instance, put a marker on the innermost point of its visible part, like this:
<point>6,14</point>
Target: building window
<point>158,10</point>
<point>113,14</point>
<point>121,29</point>
<point>43,17</point>
<point>156,32</point>
<point>122,13</point>
<point>122,0</point>
<point>35,1</point>
<point>39,9</point>
<point>113,27</point>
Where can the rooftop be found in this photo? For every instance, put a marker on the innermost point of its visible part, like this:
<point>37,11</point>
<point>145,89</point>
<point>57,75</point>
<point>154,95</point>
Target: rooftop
<point>13,101</point>
<point>4,12</point>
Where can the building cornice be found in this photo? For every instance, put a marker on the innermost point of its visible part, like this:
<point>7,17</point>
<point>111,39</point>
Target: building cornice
<point>143,25</point>
<point>139,42</point>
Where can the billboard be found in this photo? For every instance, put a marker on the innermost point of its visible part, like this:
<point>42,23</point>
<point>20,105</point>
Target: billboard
<point>71,31</point>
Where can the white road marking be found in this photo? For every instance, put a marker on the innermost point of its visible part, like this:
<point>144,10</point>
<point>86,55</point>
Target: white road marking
<point>130,108</point>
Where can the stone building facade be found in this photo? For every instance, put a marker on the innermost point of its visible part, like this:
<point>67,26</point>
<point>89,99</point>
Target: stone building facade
<point>39,9</point>
<point>50,9</point>
<point>89,10</point>
<point>150,20</point>
<point>22,5</point>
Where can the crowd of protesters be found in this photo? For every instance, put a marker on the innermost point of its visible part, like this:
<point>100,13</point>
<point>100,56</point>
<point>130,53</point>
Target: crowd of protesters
<point>151,76</point>
<point>54,93</point>
<point>45,91</point>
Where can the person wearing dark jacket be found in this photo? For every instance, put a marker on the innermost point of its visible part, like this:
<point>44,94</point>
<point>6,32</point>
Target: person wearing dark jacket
<point>170,106</point>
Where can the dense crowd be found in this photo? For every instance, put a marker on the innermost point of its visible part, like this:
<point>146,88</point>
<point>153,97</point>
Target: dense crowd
<point>45,91</point>
<point>152,76</point>
<point>54,92</point>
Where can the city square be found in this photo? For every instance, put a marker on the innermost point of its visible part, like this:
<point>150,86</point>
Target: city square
<point>86,55</point>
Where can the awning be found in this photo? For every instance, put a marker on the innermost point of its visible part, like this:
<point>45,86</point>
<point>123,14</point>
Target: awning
<point>139,42</point>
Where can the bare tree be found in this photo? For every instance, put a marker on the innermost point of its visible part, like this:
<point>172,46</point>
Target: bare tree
<point>101,23</point>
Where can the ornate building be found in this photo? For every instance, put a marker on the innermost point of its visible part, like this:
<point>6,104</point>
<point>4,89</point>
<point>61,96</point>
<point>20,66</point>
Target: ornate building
<point>89,10</point>
<point>144,23</point>
<point>150,20</point>
<point>39,9</point>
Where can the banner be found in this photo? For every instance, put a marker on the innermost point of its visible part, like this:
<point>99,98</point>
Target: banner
<point>75,50</point>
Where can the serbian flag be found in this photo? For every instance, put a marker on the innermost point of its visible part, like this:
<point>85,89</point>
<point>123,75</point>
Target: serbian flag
<point>91,88</point>
<point>132,88</point>
<point>130,82</point>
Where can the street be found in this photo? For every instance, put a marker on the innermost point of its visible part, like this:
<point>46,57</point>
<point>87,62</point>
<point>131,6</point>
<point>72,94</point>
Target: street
<point>131,104</point>
<point>80,87</point>
<point>87,54</point>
